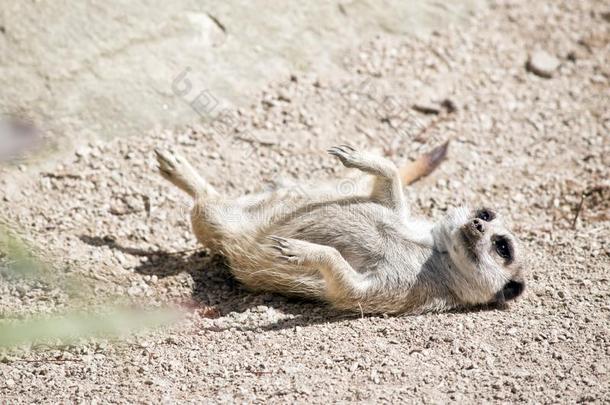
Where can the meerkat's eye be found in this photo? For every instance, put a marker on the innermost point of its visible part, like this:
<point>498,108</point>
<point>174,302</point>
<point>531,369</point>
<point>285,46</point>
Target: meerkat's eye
<point>485,214</point>
<point>503,247</point>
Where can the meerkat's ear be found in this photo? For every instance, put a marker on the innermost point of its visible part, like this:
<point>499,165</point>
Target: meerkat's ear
<point>510,291</point>
<point>423,165</point>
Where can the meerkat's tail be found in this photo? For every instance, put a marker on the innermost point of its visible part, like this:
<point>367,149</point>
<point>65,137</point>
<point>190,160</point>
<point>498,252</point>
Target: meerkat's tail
<point>423,165</point>
<point>178,171</point>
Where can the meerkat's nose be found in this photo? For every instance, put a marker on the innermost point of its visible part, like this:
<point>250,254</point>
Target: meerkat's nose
<point>478,225</point>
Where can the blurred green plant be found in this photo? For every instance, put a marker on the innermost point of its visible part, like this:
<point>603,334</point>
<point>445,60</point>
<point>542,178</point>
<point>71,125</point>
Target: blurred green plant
<point>19,262</point>
<point>15,256</point>
<point>71,327</point>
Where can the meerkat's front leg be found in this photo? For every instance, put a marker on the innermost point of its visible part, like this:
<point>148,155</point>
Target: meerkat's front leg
<point>387,188</point>
<point>340,277</point>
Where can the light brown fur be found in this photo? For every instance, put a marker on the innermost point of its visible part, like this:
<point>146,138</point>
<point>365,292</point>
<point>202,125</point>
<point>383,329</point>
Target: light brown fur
<point>359,252</point>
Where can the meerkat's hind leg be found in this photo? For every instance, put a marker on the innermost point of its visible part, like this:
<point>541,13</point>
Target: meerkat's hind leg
<point>177,170</point>
<point>387,187</point>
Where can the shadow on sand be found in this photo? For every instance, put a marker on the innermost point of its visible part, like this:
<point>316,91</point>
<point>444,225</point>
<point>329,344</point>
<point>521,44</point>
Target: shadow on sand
<point>215,286</point>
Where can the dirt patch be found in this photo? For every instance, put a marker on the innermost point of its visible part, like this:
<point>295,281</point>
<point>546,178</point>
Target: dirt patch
<point>104,70</point>
<point>536,148</point>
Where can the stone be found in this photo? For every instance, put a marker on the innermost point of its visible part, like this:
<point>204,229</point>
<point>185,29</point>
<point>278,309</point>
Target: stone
<point>542,64</point>
<point>427,108</point>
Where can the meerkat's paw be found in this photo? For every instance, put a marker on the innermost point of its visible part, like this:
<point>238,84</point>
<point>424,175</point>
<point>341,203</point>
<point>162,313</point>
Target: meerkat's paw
<point>349,156</point>
<point>169,163</point>
<point>294,250</point>
<point>179,171</point>
<point>364,161</point>
<point>287,249</point>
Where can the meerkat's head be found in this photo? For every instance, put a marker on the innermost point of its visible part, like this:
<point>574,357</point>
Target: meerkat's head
<point>485,253</point>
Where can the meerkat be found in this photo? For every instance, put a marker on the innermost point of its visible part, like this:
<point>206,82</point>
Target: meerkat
<point>361,252</point>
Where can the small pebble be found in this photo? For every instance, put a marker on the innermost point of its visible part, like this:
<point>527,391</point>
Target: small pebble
<point>542,64</point>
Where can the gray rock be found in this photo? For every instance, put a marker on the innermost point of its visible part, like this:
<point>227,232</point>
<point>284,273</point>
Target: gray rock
<point>542,64</point>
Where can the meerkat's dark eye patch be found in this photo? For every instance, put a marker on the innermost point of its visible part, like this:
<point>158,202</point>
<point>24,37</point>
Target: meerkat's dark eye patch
<point>485,214</point>
<point>503,247</point>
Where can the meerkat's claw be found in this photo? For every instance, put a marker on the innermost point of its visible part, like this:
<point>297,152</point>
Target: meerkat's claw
<point>341,149</point>
<point>348,147</point>
<point>179,171</point>
<point>346,154</point>
<point>288,249</point>
<point>279,240</point>
<point>167,161</point>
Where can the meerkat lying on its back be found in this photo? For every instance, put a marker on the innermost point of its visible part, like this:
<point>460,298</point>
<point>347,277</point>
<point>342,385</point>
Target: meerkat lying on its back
<point>361,252</point>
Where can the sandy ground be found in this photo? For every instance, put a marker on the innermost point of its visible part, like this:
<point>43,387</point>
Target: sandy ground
<point>91,70</point>
<point>533,147</point>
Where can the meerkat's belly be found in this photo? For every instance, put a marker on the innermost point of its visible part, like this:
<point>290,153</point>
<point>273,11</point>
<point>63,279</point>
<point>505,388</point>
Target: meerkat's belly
<point>359,231</point>
<point>362,231</point>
